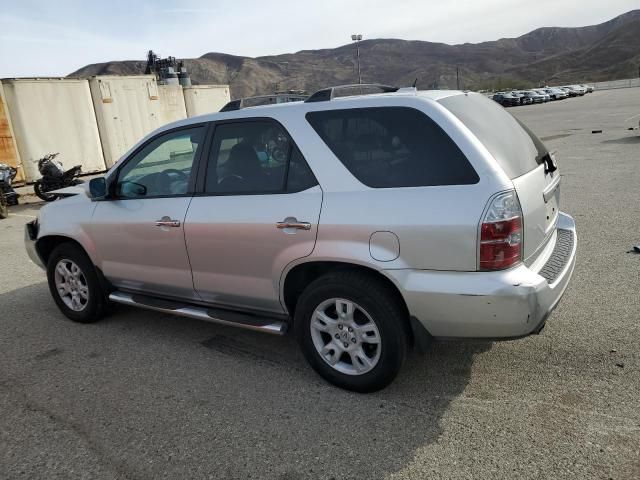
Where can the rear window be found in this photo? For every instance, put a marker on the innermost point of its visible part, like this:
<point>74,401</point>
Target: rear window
<point>516,148</point>
<point>387,147</point>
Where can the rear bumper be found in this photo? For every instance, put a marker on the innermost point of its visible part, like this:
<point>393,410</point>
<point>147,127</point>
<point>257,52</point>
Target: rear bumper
<point>30,237</point>
<point>496,305</point>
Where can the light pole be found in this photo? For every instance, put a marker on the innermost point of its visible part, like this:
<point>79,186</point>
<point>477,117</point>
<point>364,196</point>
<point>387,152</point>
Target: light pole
<point>356,38</point>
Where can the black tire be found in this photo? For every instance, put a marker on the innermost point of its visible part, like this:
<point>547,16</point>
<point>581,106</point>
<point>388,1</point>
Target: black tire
<point>42,194</point>
<point>96,305</point>
<point>385,311</point>
<point>4,208</point>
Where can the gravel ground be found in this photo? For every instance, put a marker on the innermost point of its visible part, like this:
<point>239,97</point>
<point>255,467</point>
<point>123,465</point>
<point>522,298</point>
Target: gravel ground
<point>147,396</point>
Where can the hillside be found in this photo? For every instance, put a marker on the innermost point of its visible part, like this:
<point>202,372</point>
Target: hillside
<point>547,55</point>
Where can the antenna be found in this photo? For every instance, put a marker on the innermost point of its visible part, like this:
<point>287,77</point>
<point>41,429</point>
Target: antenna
<point>415,82</point>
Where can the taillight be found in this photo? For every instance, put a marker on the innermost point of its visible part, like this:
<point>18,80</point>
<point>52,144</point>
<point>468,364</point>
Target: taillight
<point>501,233</point>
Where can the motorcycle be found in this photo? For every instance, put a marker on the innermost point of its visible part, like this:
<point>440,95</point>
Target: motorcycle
<point>54,177</point>
<point>8,195</point>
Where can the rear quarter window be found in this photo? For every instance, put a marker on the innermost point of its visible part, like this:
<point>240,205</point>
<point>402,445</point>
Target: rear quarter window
<point>516,149</point>
<point>389,147</point>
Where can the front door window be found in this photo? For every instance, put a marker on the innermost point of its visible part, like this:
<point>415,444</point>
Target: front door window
<point>163,167</point>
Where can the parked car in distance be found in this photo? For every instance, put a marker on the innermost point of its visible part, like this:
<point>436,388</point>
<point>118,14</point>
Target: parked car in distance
<point>545,96</point>
<point>506,99</point>
<point>534,96</point>
<point>588,87</point>
<point>523,99</point>
<point>311,215</point>
<point>556,93</point>
<point>579,89</point>
<point>572,92</point>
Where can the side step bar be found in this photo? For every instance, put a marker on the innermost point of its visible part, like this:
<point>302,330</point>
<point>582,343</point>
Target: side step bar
<point>214,315</point>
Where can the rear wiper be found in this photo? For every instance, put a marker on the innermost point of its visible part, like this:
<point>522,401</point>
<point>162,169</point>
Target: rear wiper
<point>546,157</point>
<point>549,164</point>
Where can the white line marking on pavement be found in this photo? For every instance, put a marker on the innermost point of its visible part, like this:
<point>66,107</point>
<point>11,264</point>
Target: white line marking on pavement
<point>631,118</point>
<point>20,215</point>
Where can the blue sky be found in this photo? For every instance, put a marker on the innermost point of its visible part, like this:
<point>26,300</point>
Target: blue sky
<point>54,38</point>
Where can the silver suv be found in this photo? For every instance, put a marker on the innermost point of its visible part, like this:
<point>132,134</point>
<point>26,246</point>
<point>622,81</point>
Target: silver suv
<point>369,223</point>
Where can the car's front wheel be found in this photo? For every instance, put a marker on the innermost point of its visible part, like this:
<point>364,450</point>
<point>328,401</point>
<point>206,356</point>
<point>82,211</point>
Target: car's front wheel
<point>74,284</point>
<point>351,329</point>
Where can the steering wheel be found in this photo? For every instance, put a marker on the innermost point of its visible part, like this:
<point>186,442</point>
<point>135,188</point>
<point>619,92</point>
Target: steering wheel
<point>164,180</point>
<point>180,173</point>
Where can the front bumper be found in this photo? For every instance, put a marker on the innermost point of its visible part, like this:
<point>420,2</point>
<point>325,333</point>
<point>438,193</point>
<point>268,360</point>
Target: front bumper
<point>495,305</point>
<point>30,237</point>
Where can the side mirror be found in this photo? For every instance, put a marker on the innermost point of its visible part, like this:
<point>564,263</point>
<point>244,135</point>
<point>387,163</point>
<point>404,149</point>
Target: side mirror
<point>98,188</point>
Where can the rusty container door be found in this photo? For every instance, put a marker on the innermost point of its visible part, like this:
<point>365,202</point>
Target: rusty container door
<point>8,150</point>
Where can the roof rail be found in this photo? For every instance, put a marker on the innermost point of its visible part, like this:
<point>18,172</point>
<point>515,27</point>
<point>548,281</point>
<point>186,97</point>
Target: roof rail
<point>263,100</point>
<point>232,105</point>
<point>327,94</point>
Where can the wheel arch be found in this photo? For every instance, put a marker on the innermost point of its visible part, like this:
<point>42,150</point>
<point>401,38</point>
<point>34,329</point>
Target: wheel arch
<point>296,279</point>
<point>46,244</point>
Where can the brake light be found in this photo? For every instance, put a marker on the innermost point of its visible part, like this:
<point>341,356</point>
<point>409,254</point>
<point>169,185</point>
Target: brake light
<point>501,233</point>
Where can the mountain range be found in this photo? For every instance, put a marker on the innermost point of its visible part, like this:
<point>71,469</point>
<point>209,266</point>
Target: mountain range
<point>548,55</point>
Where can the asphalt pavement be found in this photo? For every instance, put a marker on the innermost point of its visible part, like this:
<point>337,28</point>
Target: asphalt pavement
<point>143,395</point>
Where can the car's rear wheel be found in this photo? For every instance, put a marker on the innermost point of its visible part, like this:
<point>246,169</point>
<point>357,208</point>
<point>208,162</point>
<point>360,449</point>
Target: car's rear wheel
<point>74,284</point>
<point>351,329</point>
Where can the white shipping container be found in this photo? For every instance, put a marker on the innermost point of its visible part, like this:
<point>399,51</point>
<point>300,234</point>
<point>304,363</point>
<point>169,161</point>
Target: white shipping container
<point>127,108</point>
<point>53,115</point>
<point>172,107</point>
<point>202,99</point>
<point>8,149</point>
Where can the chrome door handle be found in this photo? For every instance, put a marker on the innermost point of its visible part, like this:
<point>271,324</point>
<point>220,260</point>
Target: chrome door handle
<point>293,224</point>
<point>167,222</point>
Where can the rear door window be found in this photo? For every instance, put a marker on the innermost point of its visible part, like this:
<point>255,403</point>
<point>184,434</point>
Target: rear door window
<point>387,147</point>
<point>255,157</point>
<point>516,148</point>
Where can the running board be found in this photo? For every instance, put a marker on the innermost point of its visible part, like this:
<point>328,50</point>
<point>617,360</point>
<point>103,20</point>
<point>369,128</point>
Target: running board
<point>214,315</point>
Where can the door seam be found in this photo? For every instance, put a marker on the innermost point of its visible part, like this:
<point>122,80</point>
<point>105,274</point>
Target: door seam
<point>186,248</point>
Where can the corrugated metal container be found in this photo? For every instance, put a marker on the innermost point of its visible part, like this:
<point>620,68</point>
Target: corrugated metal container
<point>127,108</point>
<point>53,115</point>
<point>8,150</point>
<point>172,106</point>
<point>201,99</point>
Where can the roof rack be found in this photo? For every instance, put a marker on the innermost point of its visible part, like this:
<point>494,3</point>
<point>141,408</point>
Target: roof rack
<point>327,94</point>
<point>232,105</point>
<point>286,97</point>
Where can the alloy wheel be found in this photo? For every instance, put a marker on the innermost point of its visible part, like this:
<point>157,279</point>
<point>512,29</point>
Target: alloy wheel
<point>345,336</point>
<point>71,285</point>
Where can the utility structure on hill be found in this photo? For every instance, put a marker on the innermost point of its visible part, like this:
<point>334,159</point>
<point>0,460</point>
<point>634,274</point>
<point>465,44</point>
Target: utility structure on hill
<point>356,38</point>
<point>168,71</point>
